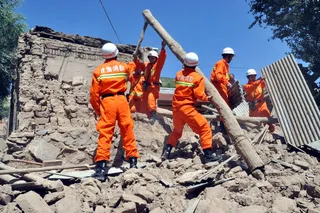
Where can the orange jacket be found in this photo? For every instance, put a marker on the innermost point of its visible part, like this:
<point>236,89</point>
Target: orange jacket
<point>220,72</point>
<point>137,91</point>
<point>254,90</point>
<point>109,78</point>
<point>152,71</point>
<point>189,88</point>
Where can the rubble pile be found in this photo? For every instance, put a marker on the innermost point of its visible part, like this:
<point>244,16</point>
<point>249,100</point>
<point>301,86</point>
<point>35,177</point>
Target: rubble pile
<point>291,180</point>
<point>54,121</point>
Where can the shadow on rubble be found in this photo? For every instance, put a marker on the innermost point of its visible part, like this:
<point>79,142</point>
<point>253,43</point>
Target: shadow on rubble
<point>119,157</point>
<point>184,149</point>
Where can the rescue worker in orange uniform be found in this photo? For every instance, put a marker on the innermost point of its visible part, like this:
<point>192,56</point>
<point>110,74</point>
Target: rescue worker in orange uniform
<point>189,89</point>
<point>220,73</point>
<point>254,90</point>
<point>151,85</point>
<point>136,93</point>
<point>220,78</point>
<point>110,104</point>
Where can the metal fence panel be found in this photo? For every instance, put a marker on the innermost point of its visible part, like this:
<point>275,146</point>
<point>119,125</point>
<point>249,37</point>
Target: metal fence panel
<point>297,111</point>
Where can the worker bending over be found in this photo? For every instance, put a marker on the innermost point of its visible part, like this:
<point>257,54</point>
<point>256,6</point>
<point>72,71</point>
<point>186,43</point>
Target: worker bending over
<point>189,88</point>
<point>110,104</point>
<point>151,85</point>
<point>136,93</point>
<point>254,90</point>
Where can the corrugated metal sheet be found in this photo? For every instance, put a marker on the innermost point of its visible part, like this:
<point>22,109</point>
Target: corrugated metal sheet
<point>314,145</point>
<point>296,109</point>
<point>242,109</point>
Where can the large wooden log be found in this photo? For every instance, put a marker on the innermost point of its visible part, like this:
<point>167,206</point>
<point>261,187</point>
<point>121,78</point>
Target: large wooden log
<point>242,143</point>
<point>240,119</point>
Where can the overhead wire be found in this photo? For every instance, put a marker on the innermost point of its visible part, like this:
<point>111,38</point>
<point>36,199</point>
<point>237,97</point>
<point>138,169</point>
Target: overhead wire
<point>114,30</point>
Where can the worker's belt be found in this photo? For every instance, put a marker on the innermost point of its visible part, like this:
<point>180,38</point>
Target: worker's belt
<point>111,94</point>
<point>252,105</point>
<point>150,84</point>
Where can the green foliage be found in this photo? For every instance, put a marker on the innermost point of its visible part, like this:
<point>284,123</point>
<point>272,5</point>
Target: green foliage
<point>11,26</point>
<point>168,82</point>
<point>297,22</point>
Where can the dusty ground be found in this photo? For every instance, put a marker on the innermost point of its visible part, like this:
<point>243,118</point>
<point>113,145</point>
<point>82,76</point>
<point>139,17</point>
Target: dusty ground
<point>292,186</point>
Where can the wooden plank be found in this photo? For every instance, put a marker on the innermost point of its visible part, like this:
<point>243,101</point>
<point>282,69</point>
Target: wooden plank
<point>209,172</point>
<point>240,119</point>
<point>260,134</point>
<point>42,169</point>
<point>47,184</point>
<point>192,206</point>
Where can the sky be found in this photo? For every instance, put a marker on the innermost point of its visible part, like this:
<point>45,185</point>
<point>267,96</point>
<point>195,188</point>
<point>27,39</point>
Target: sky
<point>203,26</point>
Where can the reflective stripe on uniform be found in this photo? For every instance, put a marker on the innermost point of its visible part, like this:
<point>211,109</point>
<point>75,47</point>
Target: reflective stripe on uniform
<point>116,75</point>
<point>185,83</point>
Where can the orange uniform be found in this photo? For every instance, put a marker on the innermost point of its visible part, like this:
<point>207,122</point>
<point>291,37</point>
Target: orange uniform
<point>254,90</point>
<point>108,100</point>
<point>152,77</point>
<point>189,88</point>
<point>220,78</point>
<point>136,92</point>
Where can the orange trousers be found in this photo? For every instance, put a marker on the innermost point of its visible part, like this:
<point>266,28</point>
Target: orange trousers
<point>115,108</point>
<point>150,97</point>
<point>187,114</point>
<point>223,91</point>
<point>135,105</point>
<point>260,111</point>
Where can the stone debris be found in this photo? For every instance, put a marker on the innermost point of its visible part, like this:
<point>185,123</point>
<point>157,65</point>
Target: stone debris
<point>32,202</point>
<point>56,121</point>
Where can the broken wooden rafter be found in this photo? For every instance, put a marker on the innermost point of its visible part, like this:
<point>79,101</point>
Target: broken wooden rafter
<point>39,181</point>
<point>140,40</point>
<point>240,119</point>
<point>208,183</point>
<point>42,169</point>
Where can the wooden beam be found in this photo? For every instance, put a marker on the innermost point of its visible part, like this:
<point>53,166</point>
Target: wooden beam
<point>140,40</point>
<point>209,108</point>
<point>240,119</point>
<point>47,184</point>
<point>42,169</point>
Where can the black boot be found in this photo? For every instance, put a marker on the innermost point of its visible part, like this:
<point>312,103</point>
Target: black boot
<point>210,156</point>
<point>153,117</point>
<point>133,162</point>
<point>100,170</point>
<point>167,152</point>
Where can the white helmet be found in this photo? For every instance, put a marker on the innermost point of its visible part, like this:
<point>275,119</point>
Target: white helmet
<point>191,59</point>
<point>228,51</point>
<point>251,72</point>
<point>109,50</point>
<point>153,53</point>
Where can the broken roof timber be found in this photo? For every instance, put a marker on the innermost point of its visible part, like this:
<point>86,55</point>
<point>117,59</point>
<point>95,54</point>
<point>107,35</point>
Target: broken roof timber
<point>297,111</point>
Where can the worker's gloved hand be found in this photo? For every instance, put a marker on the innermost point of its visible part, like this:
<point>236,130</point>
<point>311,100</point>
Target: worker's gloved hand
<point>163,44</point>
<point>229,85</point>
<point>209,97</point>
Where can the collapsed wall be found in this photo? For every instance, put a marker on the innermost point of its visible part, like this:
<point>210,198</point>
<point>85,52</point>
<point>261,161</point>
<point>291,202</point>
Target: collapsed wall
<point>50,96</point>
